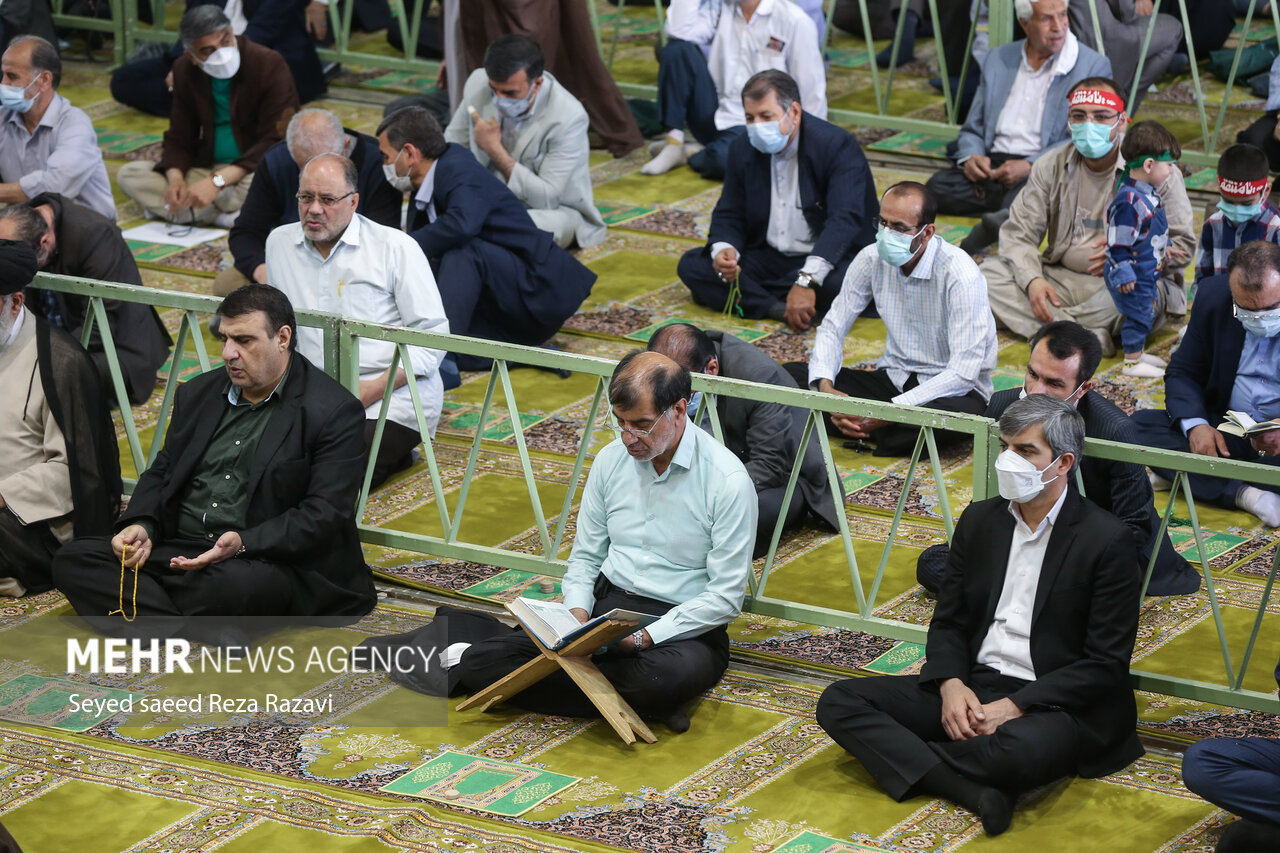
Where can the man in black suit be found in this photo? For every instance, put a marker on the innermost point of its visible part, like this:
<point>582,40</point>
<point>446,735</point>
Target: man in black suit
<point>501,277</point>
<point>249,509</point>
<point>789,256</point>
<point>765,436</point>
<point>1229,360</point>
<point>1026,676</point>
<point>71,239</point>
<point>272,199</point>
<point>1064,357</point>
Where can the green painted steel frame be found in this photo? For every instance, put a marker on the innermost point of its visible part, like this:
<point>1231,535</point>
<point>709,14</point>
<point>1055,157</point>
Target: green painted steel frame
<point>341,359</point>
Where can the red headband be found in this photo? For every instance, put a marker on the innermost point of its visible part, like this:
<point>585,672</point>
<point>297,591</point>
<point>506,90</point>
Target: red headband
<point>1096,98</point>
<point>1241,189</point>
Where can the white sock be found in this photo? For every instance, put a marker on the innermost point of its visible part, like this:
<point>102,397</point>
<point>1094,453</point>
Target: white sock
<point>226,220</point>
<point>1265,505</point>
<point>12,587</point>
<point>1158,483</point>
<point>667,159</point>
<point>675,137</point>
<point>450,656</point>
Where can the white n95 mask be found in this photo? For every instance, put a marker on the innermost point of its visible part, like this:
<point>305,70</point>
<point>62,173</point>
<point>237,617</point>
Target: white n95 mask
<point>1019,480</point>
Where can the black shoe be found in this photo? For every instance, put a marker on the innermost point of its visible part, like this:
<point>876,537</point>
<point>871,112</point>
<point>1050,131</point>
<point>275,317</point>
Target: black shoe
<point>1249,836</point>
<point>777,311</point>
<point>675,719</point>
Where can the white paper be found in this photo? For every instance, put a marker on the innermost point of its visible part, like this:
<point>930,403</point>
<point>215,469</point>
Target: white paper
<point>159,232</point>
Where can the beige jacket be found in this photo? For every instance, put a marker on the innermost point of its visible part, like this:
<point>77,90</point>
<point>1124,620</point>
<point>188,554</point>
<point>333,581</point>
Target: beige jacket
<point>1046,208</point>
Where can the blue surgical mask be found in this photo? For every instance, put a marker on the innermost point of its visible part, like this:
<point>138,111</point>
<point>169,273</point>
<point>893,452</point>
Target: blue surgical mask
<point>694,399</point>
<point>895,248</point>
<point>515,107</point>
<point>766,137</point>
<point>1262,324</point>
<point>14,98</point>
<point>1240,213</point>
<point>1091,139</point>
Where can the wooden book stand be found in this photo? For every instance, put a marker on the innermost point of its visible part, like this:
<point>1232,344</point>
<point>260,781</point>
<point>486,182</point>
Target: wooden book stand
<point>575,659</point>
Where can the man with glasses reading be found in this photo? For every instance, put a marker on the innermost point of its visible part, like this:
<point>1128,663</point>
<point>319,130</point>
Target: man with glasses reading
<point>1228,361</point>
<point>1065,202</point>
<point>666,525</point>
<point>940,342</point>
<point>337,260</point>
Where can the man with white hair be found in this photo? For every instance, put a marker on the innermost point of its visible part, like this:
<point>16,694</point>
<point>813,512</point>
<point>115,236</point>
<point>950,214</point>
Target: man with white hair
<point>1018,113</point>
<point>336,260</point>
<point>271,201</point>
<point>46,145</point>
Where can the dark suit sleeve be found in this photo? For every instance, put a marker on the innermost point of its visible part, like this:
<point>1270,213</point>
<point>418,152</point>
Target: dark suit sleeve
<point>947,652</point>
<point>277,97</point>
<point>729,219</point>
<point>1130,490</point>
<point>146,504</point>
<point>182,139</point>
<point>1111,626</point>
<point>846,191</point>
<point>768,441</point>
<point>1187,376</point>
<point>336,472</point>
<point>260,213</point>
<point>465,205</point>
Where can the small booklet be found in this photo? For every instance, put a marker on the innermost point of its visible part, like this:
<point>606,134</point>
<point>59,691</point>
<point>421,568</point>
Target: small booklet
<point>555,626</point>
<point>1239,423</point>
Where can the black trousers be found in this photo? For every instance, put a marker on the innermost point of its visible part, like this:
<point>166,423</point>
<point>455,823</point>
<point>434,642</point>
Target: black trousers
<point>1261,134</point>
<point>26,552</point>
<point>396,451</point>
<point>170,602</point>
<point>1155,430</point>
<point>959,196</point>
<point>140,84</point>
<point>893,726</point>
<point>1239,774</point>
<point>770,507</point>
<point>894,439</point>
<point>765,280</point>
<point>657,679</point>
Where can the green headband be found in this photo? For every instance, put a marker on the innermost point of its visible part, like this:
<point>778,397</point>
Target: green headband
<point>1163,156</point>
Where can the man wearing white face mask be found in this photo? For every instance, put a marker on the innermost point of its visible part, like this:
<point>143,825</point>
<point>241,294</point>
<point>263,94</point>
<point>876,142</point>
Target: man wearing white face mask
<point>231,101</point>
<point>789,256</point>
<point>1228,361</point>
<point>940,341</point>
<point>1064,201</point>
<point>531,133</point>
<point>46,145</point>
<point>1026,677</point>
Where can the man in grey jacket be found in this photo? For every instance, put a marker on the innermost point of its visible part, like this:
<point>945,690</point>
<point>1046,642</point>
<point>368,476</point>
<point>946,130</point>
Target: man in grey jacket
<point>765,436</point>
<point>531,133</point>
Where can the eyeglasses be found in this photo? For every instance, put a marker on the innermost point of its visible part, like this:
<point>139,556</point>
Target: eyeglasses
<point>307,199</point>
<point>1077,116</point>
<point>908,230</point>
<point>1245,313</point>
<point>635,433</point>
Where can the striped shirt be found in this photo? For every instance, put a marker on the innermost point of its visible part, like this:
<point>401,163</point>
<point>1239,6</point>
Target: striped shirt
<point>937,321</point>
<point>1220,237</point>
<point>1137,236</point>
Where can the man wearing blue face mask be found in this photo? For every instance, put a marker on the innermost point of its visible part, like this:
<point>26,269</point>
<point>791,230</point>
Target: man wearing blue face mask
<point>940,339</point>
<point>232,99</point>
<point>1026,677</point>
<point>1063,207</point>
<point>46,145</point>
<point>1244,214</point>
<point>1228,361</point>
<point>788,256</point>
<point>531,134</point>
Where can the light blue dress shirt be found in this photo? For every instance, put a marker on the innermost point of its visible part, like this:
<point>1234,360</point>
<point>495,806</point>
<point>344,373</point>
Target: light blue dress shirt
<point>1256,391</point>
<point>684,536</point>
<point>62,156</point>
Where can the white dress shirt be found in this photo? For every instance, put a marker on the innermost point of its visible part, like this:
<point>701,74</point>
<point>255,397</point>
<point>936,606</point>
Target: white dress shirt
<point>1021,118</point>
<point>778,36</point>
<point>62,156</point>
<point>373,273</point>
<point>937,321</point>
<point>1007,647</point>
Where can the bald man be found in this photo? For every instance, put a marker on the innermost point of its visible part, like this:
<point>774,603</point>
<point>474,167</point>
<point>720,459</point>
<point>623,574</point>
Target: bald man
<point>666,525</point>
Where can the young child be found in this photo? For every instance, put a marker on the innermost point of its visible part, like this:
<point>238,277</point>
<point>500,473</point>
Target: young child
<point>1137,236</point>
<point>1243,215</point>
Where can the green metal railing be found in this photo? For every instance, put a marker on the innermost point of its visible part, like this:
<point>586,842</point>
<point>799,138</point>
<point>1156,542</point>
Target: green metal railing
<point>341,343</point>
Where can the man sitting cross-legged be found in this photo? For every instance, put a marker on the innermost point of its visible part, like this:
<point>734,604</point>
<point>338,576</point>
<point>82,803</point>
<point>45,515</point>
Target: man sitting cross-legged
<point>1026,678</point>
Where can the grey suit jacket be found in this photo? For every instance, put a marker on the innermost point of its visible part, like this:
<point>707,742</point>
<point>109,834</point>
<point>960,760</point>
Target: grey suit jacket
<point>998,73</point>
<point>765,436</point>
<point>551,152</point>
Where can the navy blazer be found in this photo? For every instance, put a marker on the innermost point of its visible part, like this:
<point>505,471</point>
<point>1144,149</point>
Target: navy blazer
<point>272,199</point>
<point>837,193</point>
<point>1202,372</point>
<point>472,204</point>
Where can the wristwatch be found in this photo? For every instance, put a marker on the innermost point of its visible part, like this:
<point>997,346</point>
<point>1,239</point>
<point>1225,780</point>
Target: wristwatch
<point>805,280</point>
<point>638,639</point>
<point>218,180</point>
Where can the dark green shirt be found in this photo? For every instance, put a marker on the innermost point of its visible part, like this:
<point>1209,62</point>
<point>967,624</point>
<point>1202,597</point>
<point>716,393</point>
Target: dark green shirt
<point>225,149</point>
<point>217,497</point>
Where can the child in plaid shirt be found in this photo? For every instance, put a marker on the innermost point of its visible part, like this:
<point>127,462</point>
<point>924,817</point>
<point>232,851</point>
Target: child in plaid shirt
<point>1137,236</point>
<point>1243,215</point>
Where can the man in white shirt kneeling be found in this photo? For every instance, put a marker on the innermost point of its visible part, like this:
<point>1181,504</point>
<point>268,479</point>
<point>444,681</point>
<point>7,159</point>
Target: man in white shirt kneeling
<point>336,260</point>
